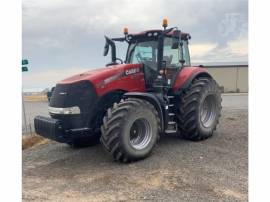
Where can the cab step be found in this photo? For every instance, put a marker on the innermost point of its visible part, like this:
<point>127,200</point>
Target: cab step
<point>168,131</point>
<point>171,123</point>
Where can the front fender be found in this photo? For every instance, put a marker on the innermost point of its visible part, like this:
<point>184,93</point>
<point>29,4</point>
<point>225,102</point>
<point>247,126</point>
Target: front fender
<point>154,100</point>
<point>186,76</point>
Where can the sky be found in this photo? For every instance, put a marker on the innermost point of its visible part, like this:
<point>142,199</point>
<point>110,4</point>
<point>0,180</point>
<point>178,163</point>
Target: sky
<point>64,37</point>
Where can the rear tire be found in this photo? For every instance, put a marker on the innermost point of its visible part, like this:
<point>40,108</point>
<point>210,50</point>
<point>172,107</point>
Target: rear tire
<point>199,109</point>
<point>130,130</point>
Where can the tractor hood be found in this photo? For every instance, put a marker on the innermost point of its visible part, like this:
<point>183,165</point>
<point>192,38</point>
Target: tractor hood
<point>98,75</point>
<point>82,90</point>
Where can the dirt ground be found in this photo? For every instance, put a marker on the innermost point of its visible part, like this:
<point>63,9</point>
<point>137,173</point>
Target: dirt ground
<point>177,170</point>
<point>41,97</point>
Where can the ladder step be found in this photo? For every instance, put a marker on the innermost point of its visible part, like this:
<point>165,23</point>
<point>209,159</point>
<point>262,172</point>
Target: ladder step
<point>170,131</point>
<point>171,114</point>
<point>171,122</point>
<point>170,96</point>
<point>171,105</point>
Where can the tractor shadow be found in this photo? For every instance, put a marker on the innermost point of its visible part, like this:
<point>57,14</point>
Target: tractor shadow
<point>171,139</point>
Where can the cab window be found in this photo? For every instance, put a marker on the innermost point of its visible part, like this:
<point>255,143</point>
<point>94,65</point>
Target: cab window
<point>142,52</point>
<point>170,56</point>
<point>186,53</point>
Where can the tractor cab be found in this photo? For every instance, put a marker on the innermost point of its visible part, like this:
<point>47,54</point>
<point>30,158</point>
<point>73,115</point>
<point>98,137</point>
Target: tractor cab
<point>162,52</point>
<point>161,55</point>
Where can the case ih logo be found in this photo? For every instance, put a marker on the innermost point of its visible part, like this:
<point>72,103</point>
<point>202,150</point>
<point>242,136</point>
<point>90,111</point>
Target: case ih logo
<point>132,71</point>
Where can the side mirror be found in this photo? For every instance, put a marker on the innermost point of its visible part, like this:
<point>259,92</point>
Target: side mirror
<point>176,39</point>
<point>106,49</point>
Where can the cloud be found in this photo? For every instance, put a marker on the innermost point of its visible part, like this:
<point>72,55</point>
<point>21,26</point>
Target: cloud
<point>200,50</point>
<point>234,51</point>
<point>60,35</point>
<point>238,47</point>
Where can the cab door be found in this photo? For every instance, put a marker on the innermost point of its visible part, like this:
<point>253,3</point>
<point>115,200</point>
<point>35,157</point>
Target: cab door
<point>172,57</point>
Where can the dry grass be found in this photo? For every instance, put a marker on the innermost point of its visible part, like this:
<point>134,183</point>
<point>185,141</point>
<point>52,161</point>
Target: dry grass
<point>35,97</point>
<point>33,140</point>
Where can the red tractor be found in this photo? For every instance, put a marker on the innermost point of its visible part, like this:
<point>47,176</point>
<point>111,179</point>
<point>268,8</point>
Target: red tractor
<point>129,104</point>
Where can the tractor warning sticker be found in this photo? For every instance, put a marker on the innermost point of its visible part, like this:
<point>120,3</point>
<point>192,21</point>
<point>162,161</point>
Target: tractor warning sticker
<point>132,71</point>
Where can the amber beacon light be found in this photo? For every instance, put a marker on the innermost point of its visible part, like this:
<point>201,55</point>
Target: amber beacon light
<point>165,23</point>
<point>125,30</point>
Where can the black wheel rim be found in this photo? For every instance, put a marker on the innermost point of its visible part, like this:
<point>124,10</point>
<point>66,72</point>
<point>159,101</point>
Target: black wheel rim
<point>140,134</point>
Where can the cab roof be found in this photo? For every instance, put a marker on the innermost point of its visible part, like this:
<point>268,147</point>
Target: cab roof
<point>156,32</point>
<point>150,33</point>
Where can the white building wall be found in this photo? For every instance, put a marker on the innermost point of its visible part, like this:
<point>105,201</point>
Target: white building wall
<point>230,78</point>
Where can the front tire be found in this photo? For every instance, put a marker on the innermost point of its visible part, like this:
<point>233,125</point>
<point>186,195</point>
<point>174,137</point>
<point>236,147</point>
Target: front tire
<point>130,130</point>
<point>199,109</point>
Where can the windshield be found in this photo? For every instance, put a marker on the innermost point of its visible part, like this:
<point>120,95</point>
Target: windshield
<point>143,52</point>
<point>146,52</point>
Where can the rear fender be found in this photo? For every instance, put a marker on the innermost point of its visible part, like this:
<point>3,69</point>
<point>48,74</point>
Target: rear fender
<point>186,76</point>
<point>154,100</point>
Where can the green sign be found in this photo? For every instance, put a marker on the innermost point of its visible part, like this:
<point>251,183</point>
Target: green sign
<point>24,68</point>
<point>24,62</point>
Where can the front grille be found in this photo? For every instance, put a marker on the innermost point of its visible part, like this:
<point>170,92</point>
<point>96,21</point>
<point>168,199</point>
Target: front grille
<point>80,94</point>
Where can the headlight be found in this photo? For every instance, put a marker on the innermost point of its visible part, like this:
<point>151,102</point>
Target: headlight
<point>66,110</point>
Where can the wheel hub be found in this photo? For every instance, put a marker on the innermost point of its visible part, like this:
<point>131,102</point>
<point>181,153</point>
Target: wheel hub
<point>140,134</point>
<point>208,111</point>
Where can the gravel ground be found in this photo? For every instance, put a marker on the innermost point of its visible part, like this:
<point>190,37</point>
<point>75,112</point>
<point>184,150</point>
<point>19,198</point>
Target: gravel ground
<point>177,170</point>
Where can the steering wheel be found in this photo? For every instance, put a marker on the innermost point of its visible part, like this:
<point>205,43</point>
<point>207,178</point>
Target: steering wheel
<point>121,61</point>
